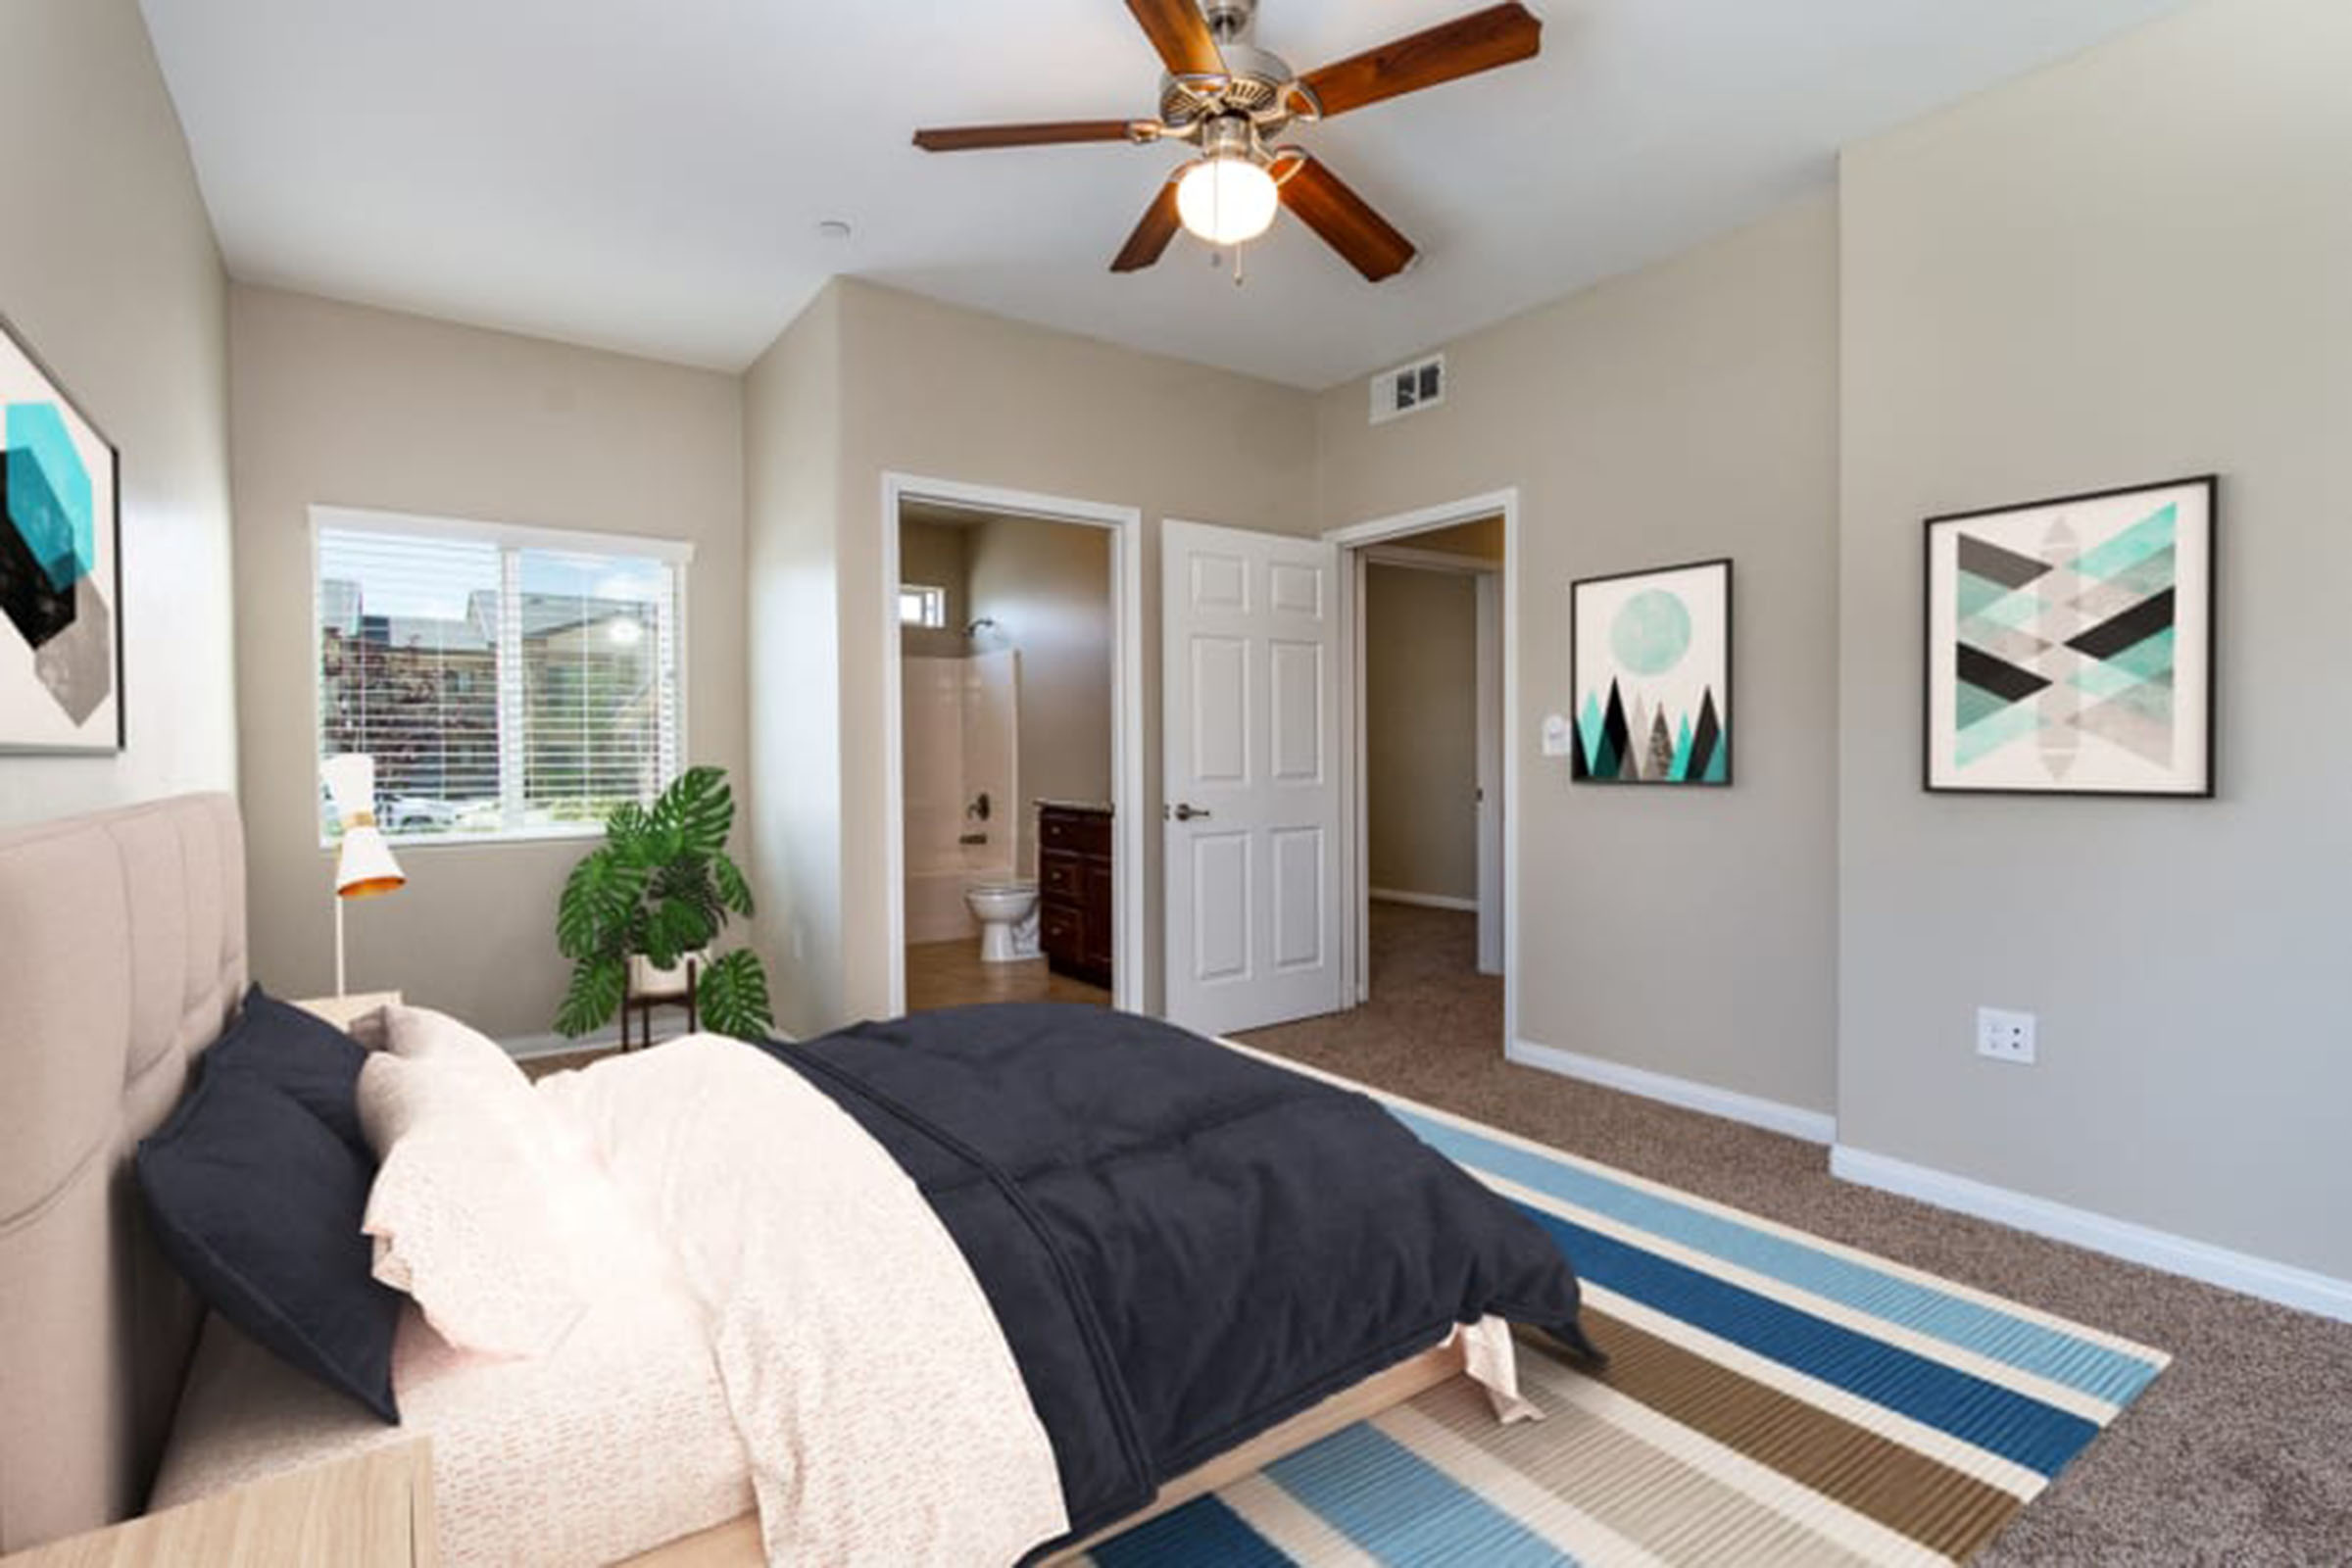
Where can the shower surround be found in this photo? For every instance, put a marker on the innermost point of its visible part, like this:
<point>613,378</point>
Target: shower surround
<point>960,728</point>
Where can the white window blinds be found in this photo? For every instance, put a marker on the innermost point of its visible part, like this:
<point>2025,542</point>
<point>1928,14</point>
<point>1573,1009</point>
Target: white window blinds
<point>502,686</point>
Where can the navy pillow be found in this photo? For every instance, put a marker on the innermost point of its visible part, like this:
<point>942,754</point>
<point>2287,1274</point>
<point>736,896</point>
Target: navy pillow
<point>302,1054</point>
<point>257,1204</point>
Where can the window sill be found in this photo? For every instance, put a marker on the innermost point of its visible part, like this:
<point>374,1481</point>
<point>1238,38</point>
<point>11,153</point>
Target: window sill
<point>405,842</point>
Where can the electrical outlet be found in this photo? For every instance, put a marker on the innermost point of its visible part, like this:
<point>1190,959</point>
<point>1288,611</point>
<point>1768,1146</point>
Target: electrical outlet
<point>2005,1036</point>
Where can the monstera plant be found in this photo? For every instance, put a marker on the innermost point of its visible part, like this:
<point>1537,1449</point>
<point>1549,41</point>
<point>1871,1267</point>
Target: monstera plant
<point>661,887</point>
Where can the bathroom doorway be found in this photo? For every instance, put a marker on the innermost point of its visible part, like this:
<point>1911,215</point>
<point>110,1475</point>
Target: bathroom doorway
<point>1007,747</point>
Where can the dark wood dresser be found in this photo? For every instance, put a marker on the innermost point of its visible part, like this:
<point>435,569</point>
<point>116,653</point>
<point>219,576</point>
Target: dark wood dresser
<point>1075,889</point>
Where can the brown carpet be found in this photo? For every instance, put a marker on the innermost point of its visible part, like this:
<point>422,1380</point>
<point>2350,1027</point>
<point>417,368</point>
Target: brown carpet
<point>2240,1453</point>
<point>538,1068</point>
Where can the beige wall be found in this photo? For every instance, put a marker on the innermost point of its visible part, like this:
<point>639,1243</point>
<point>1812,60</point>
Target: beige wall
<point>930,389</point>
<point>346,406</point>
<point>1047,585</point>
<point>107,270</point>
<point>2135,266</point>
<point>1421,731</point>
<point>934,554</point>
<point>1683,412</point>
<point>792,542</point>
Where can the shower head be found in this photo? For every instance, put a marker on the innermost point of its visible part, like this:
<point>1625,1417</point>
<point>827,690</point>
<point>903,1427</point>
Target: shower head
<point>973,629</point>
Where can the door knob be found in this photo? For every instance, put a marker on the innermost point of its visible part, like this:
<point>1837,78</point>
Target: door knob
<point>1184,811</point>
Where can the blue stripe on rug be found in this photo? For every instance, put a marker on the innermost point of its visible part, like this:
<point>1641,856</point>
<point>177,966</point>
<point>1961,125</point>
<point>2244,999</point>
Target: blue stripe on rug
<point>1404,1510</point>
<point>2022,1342</point>
<point>1203,1531</point>
<point>1995,1419</point>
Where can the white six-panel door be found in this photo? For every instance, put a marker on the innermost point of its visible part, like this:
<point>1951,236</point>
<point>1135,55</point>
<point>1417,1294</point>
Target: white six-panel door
<point>1250,682</point>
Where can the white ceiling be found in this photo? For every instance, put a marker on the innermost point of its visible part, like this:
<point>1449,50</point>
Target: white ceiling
<point>649,174</point>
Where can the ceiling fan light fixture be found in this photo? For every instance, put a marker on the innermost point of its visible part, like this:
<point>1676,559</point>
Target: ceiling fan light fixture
<point>1232,99</point>
<point>1226,199</point>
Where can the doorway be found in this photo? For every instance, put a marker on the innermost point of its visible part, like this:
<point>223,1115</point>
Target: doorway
<point>1431,756</point>
<point>1269,917</point>
<point>1011,695</point>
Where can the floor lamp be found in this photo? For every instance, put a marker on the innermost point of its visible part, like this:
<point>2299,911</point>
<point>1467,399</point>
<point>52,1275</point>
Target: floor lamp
<point>366,866</point>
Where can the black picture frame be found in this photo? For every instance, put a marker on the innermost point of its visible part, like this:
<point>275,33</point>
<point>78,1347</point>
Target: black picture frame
<point>56,387</point>
<point>2208,783</point>
<point>1728,735</point>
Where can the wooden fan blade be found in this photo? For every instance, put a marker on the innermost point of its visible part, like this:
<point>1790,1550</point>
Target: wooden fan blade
<point>1181,34</point>
<point>1322,201</point>
<point>972,138</point>
<point>1151,235</point>
<point>1479,42</point>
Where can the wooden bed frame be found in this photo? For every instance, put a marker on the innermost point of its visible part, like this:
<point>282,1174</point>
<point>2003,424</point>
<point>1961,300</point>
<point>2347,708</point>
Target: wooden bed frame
<point>736,1544</point>
<point>123,957</point>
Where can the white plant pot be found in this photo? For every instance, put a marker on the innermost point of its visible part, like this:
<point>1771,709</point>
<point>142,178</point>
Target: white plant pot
<point>648,979</point>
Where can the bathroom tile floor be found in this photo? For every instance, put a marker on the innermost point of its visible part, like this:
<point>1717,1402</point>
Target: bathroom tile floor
<point>948,974</point>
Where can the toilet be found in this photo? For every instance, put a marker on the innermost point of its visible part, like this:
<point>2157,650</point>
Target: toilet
<point>1008,916</point>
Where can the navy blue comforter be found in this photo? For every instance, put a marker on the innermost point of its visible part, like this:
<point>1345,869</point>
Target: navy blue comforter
<point>1184,1245</point>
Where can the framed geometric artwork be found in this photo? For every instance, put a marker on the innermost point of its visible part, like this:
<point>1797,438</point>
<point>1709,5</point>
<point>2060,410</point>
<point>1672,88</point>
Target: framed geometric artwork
<point>2070,645</point>
<point>61,567</point>
<point>1650,663</point>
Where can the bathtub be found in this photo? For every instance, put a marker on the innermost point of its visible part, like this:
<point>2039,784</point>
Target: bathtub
<point>959,732</point>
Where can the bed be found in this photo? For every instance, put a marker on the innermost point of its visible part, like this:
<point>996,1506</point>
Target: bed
<point>122,955</point>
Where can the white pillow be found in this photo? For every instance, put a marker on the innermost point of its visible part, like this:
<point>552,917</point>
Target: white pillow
<point>485,1208</point>
<point>420,1033</point>
<point>371,1029</point>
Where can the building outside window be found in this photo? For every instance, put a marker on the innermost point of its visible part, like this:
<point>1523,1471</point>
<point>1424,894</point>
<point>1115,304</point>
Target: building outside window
<point>509,682</point>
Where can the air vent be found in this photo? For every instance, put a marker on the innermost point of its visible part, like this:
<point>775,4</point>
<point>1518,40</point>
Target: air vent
<point>1408,389</point>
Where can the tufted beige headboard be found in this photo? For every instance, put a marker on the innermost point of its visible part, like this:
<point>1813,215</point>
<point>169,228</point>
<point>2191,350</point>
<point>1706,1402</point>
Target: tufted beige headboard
<point>122,955</point>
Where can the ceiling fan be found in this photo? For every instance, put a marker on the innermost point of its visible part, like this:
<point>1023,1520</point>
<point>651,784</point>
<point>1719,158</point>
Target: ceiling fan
<point>1231,99</point>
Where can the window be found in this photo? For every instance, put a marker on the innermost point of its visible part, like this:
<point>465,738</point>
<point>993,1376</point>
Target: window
<point>919,605</point>
<point>509,682</point>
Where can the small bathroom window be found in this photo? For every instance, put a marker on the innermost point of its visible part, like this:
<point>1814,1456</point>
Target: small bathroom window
<point>921,606</point>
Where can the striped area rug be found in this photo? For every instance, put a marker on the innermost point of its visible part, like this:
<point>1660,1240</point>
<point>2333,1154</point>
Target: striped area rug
<point>1771,1398</point>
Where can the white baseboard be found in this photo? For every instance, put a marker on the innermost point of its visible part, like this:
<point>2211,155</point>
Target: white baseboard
<point>2283,1283</point>
<point>523,1048</point>
<point>1425,901</point>
<point>1793,1121</point>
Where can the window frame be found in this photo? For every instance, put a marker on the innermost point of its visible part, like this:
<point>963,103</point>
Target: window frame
<point>933,594</point>
<point>675,553</point>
